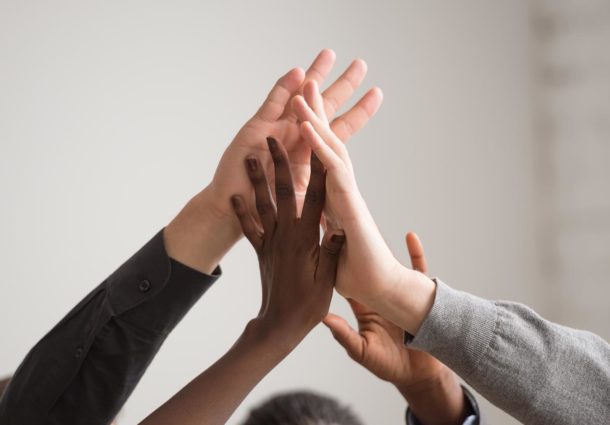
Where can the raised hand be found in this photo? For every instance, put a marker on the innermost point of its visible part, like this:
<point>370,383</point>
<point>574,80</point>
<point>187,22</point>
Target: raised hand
<point>275,118</point>
<point>430,388</point>
<point>206,228</point>
<point>368,272</point>
<point>367,257</point>
<point>297,273</point>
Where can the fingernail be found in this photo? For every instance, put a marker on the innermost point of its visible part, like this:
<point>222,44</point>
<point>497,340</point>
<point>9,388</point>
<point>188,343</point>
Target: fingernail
<point>252,164</point>
<point>235,201</point>
<point>272,143</point>
<point>337,238</point>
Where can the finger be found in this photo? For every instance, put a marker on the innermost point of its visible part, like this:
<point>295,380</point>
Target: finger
<point>264,200</point>
<point>344,87</point>
<point>330,250</point>
<point>416,251</point>
<point>314,197</point>
<point>284,187</point>
<point>325,154</point>
<point>346,125</point>
<point>287,86</point>
<point>321,66</point>
<point>345,335</point>
<point>305,113</point>
<point>248,226</point>
<point>312,96</point>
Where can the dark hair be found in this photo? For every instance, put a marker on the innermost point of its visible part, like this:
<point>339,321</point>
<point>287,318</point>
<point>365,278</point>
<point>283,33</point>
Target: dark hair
<point>302,408</point>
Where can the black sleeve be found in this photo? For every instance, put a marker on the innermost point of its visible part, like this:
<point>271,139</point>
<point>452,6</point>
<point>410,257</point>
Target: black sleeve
<point>85,368</point>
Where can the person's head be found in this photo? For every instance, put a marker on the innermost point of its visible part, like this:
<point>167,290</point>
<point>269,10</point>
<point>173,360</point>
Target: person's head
<point>301,408</point>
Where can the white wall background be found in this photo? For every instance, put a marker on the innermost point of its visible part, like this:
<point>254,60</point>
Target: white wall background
<point>113,114</point>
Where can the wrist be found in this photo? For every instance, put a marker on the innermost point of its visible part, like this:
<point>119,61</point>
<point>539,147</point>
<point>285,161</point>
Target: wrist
<point>202,233</point>
<point>279,342</point>
<point>437,400</point>
<point>405,298</point>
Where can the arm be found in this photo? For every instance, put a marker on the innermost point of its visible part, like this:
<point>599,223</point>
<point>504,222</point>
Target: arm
<point>297,277</point>
<point>84,369</point>
<point>535,370</point>
<point>430,388</point>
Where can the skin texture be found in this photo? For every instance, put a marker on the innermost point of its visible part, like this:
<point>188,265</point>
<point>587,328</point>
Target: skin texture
<point>206,228</point>
<point>368,271</point>
<point>297,276</point>
<point>431,388</point>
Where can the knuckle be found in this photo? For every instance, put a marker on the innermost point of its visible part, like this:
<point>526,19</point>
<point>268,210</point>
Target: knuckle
<point>263,207</point>
<point>314,197</point>
<point>317,169</point>
<point>284,191</point>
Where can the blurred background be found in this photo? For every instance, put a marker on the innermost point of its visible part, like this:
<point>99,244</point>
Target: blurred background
<point>493,143</point>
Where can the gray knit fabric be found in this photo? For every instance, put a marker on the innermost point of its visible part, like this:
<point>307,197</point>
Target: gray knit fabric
<point>537,371</point>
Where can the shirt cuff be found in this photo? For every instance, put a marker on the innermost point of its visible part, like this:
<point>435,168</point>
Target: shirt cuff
<point>147,273</point>
<point>473,419</point>
<point>165,289</point>
<point>458,329</point>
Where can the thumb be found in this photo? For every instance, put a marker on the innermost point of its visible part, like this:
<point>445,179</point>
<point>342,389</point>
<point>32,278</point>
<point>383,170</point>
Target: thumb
<point>416,252</point>
<point>345,335</point>
<point>329,256</point>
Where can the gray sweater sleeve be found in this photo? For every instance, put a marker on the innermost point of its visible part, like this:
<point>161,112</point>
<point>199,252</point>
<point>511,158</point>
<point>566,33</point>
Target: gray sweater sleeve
<point>535,370</point>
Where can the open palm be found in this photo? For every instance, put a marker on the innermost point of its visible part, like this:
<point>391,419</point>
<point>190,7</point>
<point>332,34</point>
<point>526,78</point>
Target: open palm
<point>275,118</point>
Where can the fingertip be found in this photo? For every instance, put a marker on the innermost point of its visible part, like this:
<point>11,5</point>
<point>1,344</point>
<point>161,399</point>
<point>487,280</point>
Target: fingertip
<point>372,100</point>
<point>377,92</point>
<point>306,131</point>
<point>338,237</point>
<point>297,73</point>
<point>306,125</point>
<point>236,202</point>
<point>297,103</point>
<point>412,238</point>
<point>361,63</point>
<point>272,144</point>
<point>251,164</point>
<point>328,52</point>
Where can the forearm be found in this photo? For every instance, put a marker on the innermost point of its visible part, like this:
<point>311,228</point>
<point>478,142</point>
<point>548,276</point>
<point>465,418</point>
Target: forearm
<point>202,232</point>
<point>84,369</point>
<point>213,396</point>
<point>535,370</point>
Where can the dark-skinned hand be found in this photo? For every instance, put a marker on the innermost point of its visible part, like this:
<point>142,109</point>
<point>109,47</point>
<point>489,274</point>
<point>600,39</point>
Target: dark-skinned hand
<point>297,272</point>
<point>431,388</point>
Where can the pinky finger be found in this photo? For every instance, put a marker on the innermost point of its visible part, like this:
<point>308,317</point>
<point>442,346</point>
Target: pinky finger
<point>325,154</point>
<point>248,225</point>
